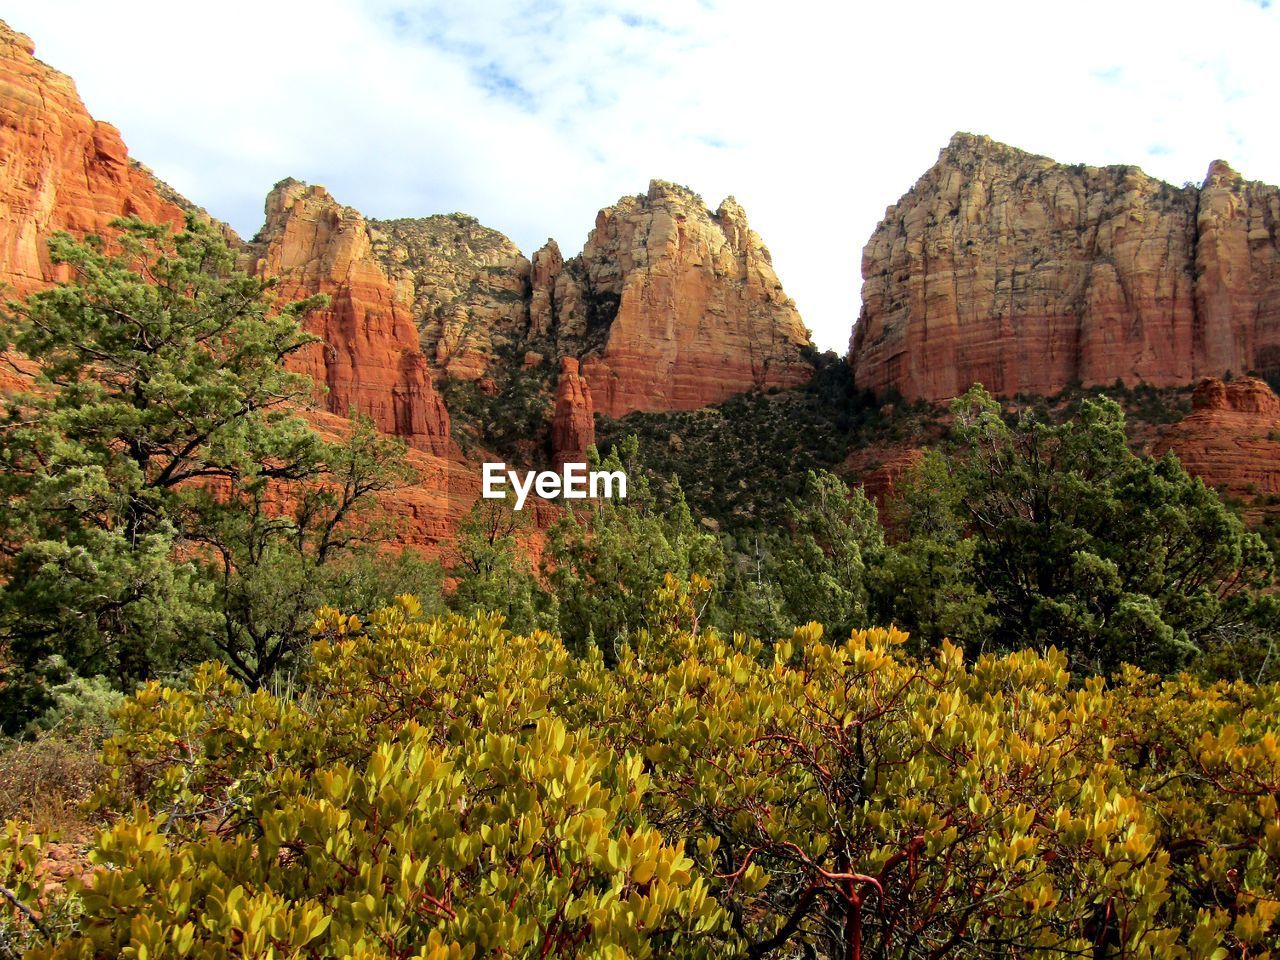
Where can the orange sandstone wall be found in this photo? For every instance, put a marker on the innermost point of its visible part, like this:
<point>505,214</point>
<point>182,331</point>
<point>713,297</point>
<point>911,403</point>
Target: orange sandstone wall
<point>1027,275</point>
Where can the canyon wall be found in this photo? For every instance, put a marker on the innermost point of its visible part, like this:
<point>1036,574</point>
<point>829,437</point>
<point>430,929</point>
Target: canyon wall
<point>1027,275</point>
<point>669,306</point>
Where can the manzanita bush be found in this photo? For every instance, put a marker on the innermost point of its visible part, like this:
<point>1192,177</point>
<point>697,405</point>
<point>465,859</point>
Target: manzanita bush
<point>445,789</point>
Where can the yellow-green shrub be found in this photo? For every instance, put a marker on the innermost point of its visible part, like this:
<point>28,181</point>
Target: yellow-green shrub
<point>446,789</point>
<point>420,800</point>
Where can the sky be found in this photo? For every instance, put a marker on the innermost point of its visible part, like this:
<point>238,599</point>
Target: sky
<point>532,116</point>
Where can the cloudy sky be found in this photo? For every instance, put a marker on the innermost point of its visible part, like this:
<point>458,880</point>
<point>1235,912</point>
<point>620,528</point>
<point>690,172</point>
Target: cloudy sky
<point>532,116</point>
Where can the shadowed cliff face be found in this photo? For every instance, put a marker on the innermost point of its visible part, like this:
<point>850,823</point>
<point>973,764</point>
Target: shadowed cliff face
<point>1026,275</point>
<point>573,427</point>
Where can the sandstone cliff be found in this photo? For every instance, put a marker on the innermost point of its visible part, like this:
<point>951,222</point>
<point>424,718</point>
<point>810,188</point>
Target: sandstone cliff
<point>1026,275</point>
<point>1231,438</point>
<point>1237,260</point>
<point>59,168</point>
<point>369,358</point>
<point>573,427</point>
<point>669,306</point>
<point>678,306</point>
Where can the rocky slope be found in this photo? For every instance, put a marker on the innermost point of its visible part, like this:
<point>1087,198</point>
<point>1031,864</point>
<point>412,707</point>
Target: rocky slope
<point>468,286</point>
<point>1026,275</point>
<point>59,168</point>
<point>1231,438</point>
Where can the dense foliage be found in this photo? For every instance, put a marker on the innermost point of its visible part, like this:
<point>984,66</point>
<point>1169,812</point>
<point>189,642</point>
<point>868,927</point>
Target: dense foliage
<point>493,572</point>
<point>508,412</point>
<point>622,549</point>
<point>1059,534</point>
<point>443,788</point>
<point>163,499</point>
<point>720,453</point>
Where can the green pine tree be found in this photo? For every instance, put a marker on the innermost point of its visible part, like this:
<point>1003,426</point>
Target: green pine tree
<point>164,500</point>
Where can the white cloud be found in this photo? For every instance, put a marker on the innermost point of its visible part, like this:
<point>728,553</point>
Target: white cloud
<point>533,116</point>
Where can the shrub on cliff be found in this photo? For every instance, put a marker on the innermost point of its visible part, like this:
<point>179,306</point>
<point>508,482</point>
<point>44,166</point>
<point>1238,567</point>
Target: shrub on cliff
<point>605,561</point>
<point>488,560</point>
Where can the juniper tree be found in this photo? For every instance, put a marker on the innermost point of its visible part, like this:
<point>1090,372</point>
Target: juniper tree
<point>135,468</point>
<point>1079,543</point>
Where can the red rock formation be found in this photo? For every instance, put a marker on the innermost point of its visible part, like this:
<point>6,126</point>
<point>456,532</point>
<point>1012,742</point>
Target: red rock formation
<point>59,168</point>
<point>879,469</point>
<point>1231,438</point>
<point>694,310</point>
<point>669,305</point>
<point>1008,269</point>
<point>573,428</point>
<point>425,514</point>
<point>1237,274</point>
<point>544,272</point>
<point>370,358</point>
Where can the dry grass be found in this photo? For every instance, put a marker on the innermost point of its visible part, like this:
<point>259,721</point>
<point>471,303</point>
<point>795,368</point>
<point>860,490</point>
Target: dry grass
<point>45,782</point>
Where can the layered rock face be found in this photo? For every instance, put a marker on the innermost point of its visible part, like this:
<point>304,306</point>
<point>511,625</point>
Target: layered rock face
<point>426,514</point>
<point>1238,273</point>
<point>59,168</point>
<point>684,304</point>
<point>669,306</point>
<point>370,357</point>
<point>1231,438</point>
<point>1025,275</point>
<point>468,286</point>
<point>573,427</point>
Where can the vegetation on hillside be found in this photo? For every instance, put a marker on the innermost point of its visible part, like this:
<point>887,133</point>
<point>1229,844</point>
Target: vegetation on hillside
<point>681,727</point>
<point>508,412</point>
<point>718,453</point>
<point>164,501</point>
